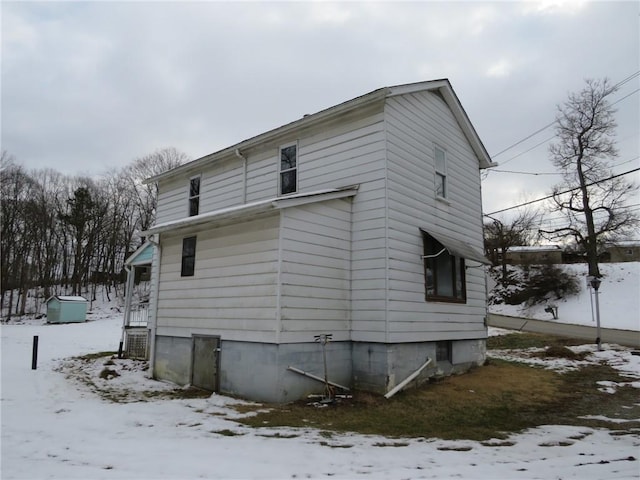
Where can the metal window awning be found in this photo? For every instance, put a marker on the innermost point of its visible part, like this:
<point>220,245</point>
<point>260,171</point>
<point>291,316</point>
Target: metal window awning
<point>459,248</point>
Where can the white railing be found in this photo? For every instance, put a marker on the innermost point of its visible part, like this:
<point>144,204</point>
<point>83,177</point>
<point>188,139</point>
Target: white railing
<point>139,315</point>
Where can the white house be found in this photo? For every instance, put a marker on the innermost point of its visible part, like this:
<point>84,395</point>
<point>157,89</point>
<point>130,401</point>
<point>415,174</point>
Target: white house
<point>362,221</point>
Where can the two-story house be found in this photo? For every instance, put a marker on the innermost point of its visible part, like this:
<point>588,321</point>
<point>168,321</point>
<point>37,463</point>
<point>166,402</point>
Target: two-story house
<point>362,221</point>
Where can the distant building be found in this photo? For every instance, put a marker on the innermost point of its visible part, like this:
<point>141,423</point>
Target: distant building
<point>623,251</point>
<point>534,254</point>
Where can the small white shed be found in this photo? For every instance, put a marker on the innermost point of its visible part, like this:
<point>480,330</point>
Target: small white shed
<point>66,309</point>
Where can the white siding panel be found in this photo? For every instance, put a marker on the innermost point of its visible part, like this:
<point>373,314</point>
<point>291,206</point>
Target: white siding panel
<point>416,123</point>
<point>315,295</point>
<point>233,292</point>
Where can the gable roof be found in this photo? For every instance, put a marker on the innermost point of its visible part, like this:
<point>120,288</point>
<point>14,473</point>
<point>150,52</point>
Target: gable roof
<point>442,86</point>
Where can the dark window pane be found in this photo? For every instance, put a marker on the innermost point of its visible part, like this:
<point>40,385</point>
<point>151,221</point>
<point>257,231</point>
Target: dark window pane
<point>288,157</point>
<point>188,256</point>
<point>445,269</point>
<point>194,187</point>
<point>288,182</point>
<point>188,266</point>
<point>443,351</point>
<point>444,274</point>
<point>194,206</point>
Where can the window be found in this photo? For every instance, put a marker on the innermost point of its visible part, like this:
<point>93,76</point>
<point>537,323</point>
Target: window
<point>288,169</point>
<point>441,172</point>
<point>443,351</point>
<point>194,196</point>
<point>188,257</point>
<point>443,273</point>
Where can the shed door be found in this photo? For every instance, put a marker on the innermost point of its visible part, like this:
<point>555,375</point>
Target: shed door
<point>206,358</point>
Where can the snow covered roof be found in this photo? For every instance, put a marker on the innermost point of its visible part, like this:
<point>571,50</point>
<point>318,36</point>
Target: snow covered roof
<point>68,298</point>
<point>535,248</point>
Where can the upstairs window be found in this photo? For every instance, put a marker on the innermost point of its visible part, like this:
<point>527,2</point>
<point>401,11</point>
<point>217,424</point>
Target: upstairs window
<point>194,196</point>
<point>441,172</point>
<point>188,257</point>
<point>443,273</point>
<point>288,169</point>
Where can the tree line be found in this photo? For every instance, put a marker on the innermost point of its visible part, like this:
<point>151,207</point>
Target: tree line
<point>69,234</point>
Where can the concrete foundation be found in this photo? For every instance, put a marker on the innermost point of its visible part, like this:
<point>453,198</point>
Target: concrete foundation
<point>258,371</point>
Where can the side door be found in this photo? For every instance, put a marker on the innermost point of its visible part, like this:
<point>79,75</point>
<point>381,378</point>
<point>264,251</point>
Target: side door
<point>205,362</point>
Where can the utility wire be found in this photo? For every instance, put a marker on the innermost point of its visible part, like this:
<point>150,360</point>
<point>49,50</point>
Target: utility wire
<point>562,193</point>
<point>554,173</point>
<point>619,84</point>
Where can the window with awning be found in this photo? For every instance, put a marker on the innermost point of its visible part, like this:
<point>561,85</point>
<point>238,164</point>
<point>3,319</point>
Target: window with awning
<point>444,267</point>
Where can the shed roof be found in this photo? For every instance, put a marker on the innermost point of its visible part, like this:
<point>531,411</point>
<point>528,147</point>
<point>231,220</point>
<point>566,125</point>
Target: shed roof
<point>67,298</point>
<point>231,213</point>
<point>442,86</point>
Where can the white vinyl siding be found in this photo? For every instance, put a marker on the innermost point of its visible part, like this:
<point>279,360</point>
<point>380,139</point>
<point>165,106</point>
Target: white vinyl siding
<point>363,277</point>
<point>416,124</point>
<point>315,271</point>
<point>234,288</point>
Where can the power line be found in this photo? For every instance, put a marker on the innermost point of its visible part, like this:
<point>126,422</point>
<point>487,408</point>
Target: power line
<point>619,84</point>
<point>525,173</point>
<point>561,193</point>
<point>553,173</point>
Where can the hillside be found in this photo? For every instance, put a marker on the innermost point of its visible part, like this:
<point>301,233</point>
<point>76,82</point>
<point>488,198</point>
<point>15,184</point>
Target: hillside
<point>619,297</point>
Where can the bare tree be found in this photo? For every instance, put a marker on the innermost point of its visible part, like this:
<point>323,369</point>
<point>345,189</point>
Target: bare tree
<point>501,235</point>
<point>592,200</point>
<point>145,195</point>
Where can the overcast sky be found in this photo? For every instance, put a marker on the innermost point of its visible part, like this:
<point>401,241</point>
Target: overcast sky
<point>87,85</point>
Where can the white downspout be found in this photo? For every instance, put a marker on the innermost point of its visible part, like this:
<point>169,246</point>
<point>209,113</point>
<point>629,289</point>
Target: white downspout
<point>404,383</point>
<point>152,325</point>
<point>244,174</point>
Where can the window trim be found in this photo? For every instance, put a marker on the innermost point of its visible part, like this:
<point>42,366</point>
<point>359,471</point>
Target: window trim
<point>186,271</point>
<point>294,169</point>
<point>439,173</point>
<point>458,271</point>
<point>190,197</point>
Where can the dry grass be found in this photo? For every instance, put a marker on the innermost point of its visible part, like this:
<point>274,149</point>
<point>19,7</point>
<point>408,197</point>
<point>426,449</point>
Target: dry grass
<point>482,404</point>
<point>487,403</point>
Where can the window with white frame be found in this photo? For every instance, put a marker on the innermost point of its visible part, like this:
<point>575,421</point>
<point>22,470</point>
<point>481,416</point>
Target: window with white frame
<point>194,196</point>
<point>288,169</point>
<point>441,172</point>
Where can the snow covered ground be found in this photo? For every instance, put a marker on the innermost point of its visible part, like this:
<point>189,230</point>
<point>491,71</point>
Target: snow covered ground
<point>56,427</point>
<point>619,297</point>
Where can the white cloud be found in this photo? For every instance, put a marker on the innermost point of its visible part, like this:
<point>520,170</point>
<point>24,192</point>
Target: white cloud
<point>550,7</point>
<point>501,68</point>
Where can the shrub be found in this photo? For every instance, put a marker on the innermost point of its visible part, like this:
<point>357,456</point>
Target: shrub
<point>536,285</point>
